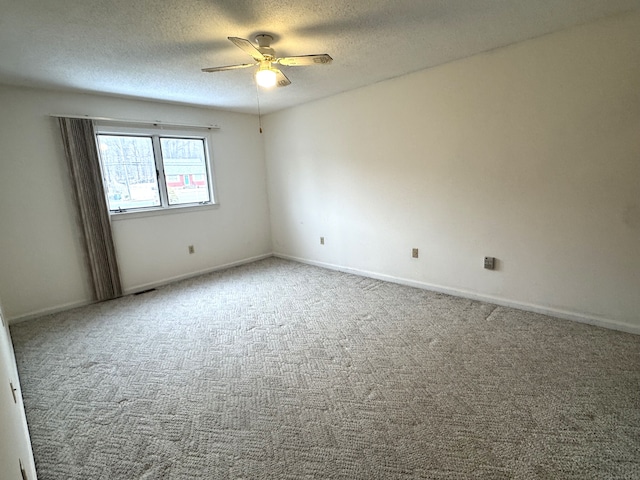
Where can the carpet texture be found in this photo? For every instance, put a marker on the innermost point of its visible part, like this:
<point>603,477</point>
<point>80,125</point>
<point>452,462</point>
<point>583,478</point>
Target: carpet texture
<point>281,370</point>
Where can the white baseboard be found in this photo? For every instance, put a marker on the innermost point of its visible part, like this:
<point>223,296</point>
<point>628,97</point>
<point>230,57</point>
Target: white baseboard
<point>553,312</point>
<point>137,288</point>
<point>48,311</point>
<point>564,314</point>
<point>166,281</point>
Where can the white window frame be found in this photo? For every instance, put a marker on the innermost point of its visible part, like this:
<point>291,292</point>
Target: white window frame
<point>118,128</point>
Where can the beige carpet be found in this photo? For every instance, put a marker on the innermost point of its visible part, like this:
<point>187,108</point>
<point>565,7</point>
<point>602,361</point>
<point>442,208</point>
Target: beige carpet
<point>285,371</point>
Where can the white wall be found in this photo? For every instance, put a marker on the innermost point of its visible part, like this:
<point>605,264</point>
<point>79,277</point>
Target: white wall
<point>42,266</point>
<point>530,153</point>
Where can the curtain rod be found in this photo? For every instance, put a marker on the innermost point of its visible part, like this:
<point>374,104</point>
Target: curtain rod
<point>141,122</point>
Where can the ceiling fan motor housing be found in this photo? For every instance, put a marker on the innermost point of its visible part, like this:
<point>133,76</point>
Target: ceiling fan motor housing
<point>264,42</point>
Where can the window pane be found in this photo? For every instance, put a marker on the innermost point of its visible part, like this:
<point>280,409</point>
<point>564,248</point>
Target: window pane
<point>185,169</point>
<point>129,171</point>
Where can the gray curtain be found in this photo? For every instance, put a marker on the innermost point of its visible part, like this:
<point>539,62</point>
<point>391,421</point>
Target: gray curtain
<point>79,141</point>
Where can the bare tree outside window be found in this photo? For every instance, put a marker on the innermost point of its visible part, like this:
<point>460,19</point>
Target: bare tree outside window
<point>147,171</point>
<point>129,171</point>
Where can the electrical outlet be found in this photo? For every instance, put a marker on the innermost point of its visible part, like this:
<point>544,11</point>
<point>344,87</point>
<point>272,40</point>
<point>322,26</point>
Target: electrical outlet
<point>414,253</point>
<point>321,240</point>
<point>191,249</point>
<point>489,263</point>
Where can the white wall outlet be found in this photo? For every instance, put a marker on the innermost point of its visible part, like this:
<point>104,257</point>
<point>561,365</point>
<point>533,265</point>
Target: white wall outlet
<point>321,240</point>
<point>489,263</point>
<point>191,249</point>
<point>414,253</point>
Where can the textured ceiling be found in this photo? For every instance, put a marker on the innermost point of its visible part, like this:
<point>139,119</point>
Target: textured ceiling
<point>155,49</point>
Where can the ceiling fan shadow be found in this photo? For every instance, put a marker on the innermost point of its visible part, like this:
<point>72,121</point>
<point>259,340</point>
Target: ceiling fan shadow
<point>191,49</point>
<point>239,12</point>
<point>370,20</point>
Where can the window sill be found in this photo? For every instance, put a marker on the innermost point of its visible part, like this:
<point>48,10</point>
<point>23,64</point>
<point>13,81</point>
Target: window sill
<point>152,212</point>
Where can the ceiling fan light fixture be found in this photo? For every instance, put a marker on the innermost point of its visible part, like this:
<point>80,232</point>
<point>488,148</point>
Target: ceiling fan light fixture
<point>266,77</point>
<point>264,56</point>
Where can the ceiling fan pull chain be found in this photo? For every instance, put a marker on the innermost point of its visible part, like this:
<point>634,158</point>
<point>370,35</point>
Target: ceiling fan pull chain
<point>258,102</point>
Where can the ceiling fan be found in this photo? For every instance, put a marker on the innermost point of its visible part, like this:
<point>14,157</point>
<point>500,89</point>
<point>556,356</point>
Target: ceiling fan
<point>265,58</point>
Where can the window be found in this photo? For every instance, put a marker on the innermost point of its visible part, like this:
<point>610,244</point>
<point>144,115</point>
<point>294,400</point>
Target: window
<point>146,170</point>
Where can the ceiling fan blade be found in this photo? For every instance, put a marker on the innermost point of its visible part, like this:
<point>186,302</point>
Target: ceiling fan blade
<point>228,67</point>
<point>248,47</point>
<point>303,60</point>
<point>281,79</point>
